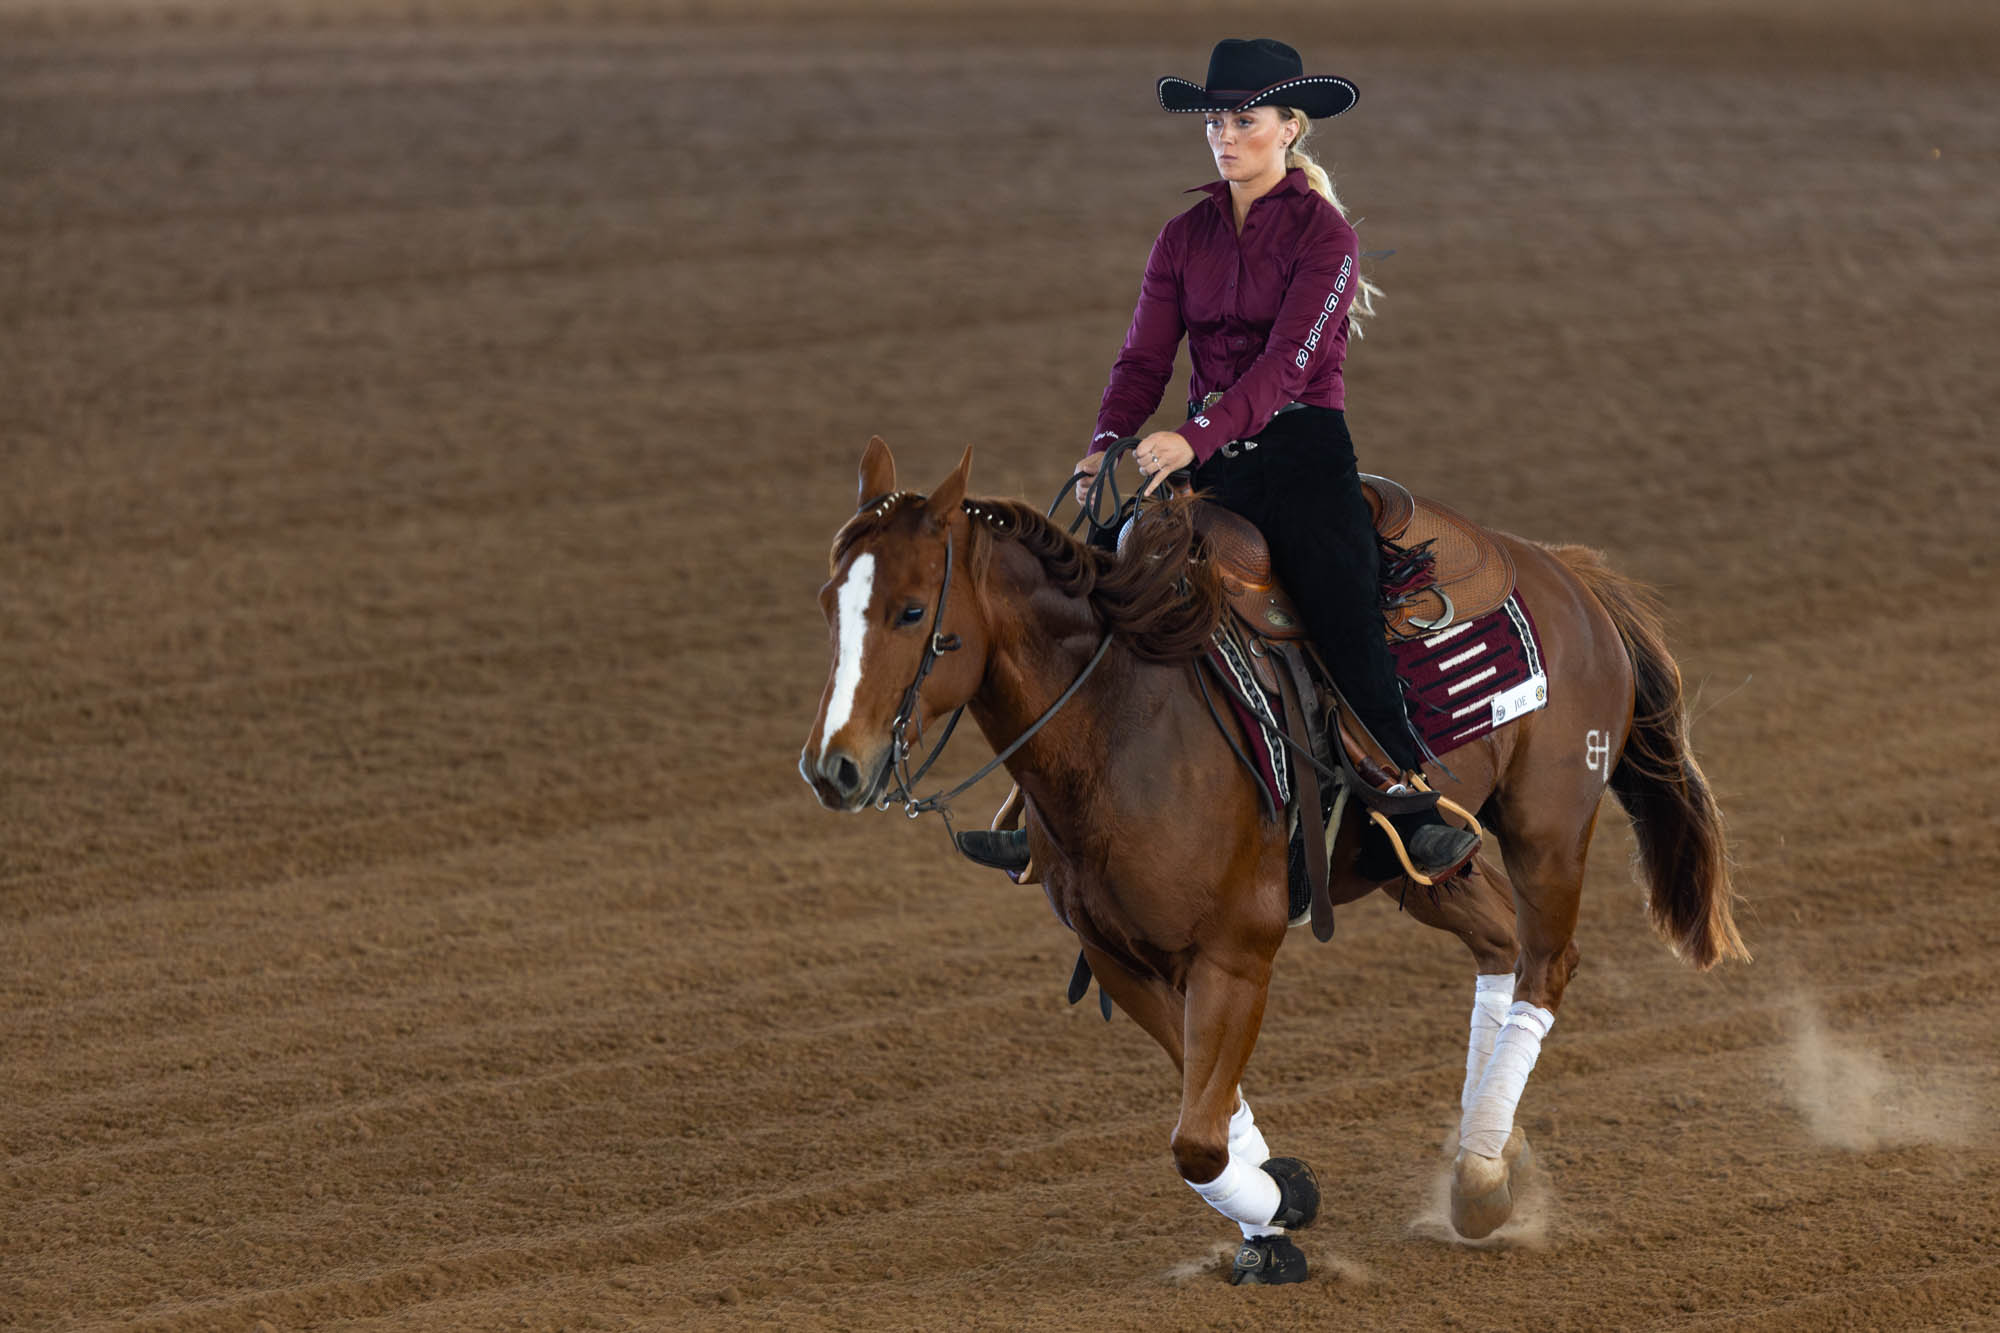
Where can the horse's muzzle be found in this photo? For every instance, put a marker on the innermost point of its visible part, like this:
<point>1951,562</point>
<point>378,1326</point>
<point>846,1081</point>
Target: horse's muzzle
<point>841,781</point>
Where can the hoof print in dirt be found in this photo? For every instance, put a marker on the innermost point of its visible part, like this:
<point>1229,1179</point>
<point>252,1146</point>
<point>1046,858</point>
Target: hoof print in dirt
<point>1267,1261</point>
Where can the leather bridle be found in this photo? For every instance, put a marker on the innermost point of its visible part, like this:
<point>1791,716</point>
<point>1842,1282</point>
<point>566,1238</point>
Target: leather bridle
<point>900,744</point>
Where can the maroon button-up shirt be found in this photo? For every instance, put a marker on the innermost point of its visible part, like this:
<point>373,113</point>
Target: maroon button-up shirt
<point>1265,314</point>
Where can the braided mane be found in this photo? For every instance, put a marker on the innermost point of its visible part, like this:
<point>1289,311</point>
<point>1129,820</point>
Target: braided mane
<point>1160,597</point>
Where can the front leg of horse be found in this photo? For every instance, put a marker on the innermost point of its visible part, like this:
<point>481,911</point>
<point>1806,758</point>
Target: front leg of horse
<point>1217,1146</point>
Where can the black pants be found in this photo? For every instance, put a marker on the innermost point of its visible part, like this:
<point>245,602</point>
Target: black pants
<point>1299,485</point>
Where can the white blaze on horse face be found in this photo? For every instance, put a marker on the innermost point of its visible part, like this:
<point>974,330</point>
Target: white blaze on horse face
<point>851,620</point>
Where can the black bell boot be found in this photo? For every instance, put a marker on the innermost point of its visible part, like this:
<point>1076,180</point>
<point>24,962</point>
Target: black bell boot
<point>1003,850</point>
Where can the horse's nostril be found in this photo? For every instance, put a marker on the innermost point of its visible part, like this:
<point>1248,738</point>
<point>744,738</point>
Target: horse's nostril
<point>841,773</point>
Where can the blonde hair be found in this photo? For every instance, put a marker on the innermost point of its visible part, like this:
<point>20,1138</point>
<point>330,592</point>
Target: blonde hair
<point>1296,156</point>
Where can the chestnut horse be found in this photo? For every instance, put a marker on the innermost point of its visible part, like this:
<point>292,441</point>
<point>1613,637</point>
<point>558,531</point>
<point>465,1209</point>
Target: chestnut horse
<point>1154,847</point>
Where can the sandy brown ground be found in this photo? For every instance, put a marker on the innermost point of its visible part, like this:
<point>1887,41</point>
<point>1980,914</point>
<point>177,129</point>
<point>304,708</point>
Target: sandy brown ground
<point>420,444</point>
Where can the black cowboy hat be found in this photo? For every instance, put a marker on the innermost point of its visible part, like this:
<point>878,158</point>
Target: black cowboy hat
<point>1258,72</point>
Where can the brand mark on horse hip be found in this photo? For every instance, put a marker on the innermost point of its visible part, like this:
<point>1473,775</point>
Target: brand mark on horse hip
<point>1597,752</point>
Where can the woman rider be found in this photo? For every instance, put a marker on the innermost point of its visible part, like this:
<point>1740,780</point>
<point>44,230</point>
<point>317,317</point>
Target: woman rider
<point>1262,276</point>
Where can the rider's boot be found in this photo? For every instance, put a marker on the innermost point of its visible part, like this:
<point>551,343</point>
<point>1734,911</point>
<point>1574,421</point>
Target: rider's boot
<point>1003,849</point>
<point>1003,845</point>
<point>1437,849</point>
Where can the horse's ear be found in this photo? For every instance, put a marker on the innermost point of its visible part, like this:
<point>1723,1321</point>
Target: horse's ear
<point>950,491</point>
<point>878,472</point>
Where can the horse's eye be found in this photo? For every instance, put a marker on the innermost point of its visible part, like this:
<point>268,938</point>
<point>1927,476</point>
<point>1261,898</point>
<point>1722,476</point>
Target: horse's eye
<point>912,614</point>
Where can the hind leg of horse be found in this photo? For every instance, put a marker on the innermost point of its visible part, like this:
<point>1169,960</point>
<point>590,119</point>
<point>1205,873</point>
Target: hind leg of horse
<point>1479,910</point>
<point>1546,863</point>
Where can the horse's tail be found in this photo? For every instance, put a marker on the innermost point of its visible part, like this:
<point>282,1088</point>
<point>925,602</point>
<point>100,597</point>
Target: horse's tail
<point>1674,815</point>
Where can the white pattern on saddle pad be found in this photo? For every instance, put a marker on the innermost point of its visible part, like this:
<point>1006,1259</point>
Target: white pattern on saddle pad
<point>1452,633</point>
<point>1470,681</point>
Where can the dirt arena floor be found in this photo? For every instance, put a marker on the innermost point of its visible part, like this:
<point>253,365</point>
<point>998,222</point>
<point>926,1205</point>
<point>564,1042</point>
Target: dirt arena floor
<point>421,429</point>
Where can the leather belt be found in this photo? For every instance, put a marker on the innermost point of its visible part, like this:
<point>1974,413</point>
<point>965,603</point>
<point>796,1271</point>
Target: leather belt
<point>1232,448</point>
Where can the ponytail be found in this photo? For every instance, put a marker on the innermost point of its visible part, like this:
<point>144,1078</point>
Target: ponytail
<point>1296,156</point>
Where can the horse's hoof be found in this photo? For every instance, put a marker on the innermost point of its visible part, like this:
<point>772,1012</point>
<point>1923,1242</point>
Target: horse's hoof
<point>1298,1192</point>
<point>1482,1188</point>
<point>1267,1261</point>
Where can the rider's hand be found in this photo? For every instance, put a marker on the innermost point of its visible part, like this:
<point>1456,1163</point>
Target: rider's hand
<point>1088,465</point>
<point>1160,455</point>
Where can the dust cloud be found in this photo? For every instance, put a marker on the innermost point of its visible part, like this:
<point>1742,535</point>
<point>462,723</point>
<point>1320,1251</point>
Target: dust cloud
<point>1852,1098</point>
<point>1203,1267</point>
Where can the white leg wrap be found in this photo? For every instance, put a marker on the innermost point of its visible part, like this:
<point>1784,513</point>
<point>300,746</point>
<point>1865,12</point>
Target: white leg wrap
<point>1492,993</point>
<point>1246,1145</point>
<point>1245,1139</point>
<point>1242,1193</point>
<point>1490,1118</point>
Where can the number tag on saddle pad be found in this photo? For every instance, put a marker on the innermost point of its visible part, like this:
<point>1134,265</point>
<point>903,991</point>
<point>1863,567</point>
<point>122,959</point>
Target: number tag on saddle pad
<point>1526,697</point>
